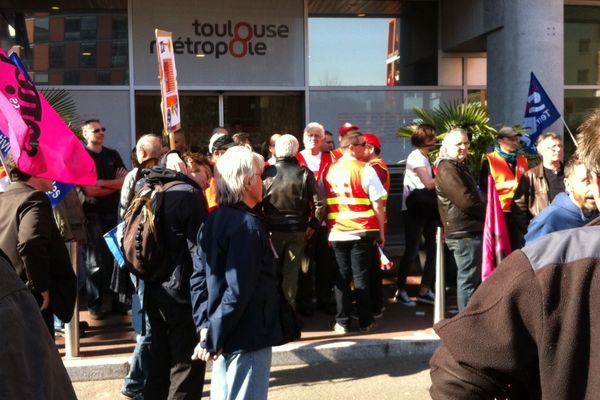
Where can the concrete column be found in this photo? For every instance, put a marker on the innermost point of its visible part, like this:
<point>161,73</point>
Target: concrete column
<point>531,38</point>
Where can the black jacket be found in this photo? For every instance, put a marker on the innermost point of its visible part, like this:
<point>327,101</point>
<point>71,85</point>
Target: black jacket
<point>461,207</point>
<point>184,210</point>
<point>291,200</point>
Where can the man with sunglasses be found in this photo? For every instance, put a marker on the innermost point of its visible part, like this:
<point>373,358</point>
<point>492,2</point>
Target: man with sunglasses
<point>100,206</point>
<point>355,217</point>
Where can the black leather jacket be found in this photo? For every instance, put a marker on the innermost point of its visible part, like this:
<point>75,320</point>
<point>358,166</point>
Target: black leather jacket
<point>291,200</point>
<point>462,209</point>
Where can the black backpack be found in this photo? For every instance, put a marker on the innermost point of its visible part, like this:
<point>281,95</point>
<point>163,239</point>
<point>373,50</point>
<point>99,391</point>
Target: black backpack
<point>142,246</point>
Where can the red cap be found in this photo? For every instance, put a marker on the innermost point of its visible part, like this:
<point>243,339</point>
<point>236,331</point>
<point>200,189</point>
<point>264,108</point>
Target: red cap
<point>347,127</point>
<point>372,139</point>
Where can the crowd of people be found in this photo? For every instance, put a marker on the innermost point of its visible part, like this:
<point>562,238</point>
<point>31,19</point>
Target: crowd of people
<point>241,232</point>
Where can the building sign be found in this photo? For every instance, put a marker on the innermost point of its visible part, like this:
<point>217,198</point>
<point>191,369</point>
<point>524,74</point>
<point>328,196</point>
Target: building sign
<point>237,40</point>
<point>230,42</point>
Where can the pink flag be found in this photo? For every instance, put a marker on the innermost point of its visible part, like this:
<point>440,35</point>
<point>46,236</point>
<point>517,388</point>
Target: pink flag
<point>47,148</point>
<point>10,120</point>
<point>496,244</point>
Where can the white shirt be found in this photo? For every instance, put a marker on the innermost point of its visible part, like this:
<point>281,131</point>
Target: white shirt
<point>312,162</point>
<point>415,159</point>
<point>374,188</point>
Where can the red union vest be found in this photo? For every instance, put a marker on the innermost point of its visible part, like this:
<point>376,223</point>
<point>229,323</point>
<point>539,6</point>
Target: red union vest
<point>349,208</point>
<point>325,161</point>
<point>506,181</point>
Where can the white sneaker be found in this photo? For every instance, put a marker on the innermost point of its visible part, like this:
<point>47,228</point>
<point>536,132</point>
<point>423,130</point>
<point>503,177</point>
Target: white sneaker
<point>402,297</point>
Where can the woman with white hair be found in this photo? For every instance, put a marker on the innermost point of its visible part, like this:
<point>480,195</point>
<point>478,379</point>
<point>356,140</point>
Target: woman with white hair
<point>462,212</point>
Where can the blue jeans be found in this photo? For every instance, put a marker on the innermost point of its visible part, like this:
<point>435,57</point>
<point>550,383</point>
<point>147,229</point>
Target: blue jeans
<point>354,260</point>
<point>142,356</point>
<point>467,254</point>
<point>241,375</point>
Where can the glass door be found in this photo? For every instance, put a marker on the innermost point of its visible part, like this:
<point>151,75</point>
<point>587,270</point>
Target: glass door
<point>263,114</point>
<point>259,114</point>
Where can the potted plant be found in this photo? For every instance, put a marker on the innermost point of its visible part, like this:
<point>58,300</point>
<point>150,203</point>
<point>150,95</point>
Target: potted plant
<point>471,116</point>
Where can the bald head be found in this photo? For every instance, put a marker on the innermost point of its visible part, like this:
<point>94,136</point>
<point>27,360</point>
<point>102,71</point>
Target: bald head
<point>148,147</point>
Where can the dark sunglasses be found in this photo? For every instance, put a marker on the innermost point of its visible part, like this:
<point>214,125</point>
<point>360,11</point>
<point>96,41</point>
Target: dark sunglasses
<point>97,130</point>
<point>360,144</point>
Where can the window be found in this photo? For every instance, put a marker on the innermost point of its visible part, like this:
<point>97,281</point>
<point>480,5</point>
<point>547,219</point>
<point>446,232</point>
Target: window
<point>357,51</point>
<point>119,53</point>
<point>88,27</point>
<point>57,55</point>
<point>347,51</point>
<point>72,28</point>
<point>119,27</point>
<point>40,29</point>
<point>582,44</point>
<point>71,77</point>
<point>87,58</point>
<point>583,76</point>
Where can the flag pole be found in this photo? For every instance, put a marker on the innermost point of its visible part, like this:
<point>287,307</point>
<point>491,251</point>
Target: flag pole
<point>568,130</point>
<point>6,170</point>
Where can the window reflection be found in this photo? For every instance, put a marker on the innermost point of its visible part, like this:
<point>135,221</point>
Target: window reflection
<point>73,49</point>
<point>582,45</point>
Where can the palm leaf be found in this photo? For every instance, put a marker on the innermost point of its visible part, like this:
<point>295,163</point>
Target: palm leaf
<point>62,102</point>
<point>471,116</point>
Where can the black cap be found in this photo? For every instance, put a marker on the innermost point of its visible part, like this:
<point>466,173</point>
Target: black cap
<point>223,143</point>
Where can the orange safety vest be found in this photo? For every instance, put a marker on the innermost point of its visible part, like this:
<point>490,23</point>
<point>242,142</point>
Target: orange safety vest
<point>349,208</point>
<point>336,154</point>
<point>506,181</point>
<point>383,173</point>
<point>211,194</point>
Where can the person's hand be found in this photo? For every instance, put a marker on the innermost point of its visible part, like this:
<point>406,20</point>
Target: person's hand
<point>381,240</point>
<point>309,233</point>
<point>45,299</point>
<point>121,172</point>
<point>200,352</point>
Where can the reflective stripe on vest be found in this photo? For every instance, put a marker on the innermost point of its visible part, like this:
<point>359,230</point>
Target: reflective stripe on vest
<point>506,181</point>
<point>349,209</point>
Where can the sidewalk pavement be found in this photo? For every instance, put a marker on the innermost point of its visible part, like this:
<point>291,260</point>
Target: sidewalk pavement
<point>106,348</point>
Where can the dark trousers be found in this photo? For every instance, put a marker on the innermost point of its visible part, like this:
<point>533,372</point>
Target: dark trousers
<point>99,262</point>
<point>172,374</point>
<point>376,284</point>
<point>514,232</point>
<point>318,274</point>
<point>416,226</point>
<point>354,260</point>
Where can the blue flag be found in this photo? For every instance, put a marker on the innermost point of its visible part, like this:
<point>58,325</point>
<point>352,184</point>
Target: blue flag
<point>113,241</point>
<point>58,192</point>
<point>540,113</point>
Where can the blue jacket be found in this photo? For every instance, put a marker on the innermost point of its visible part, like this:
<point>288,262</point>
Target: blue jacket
<point>561,214</point>
<point>234,283</point>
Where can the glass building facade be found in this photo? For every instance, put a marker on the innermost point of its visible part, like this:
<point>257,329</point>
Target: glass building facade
<point>371,69</point>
